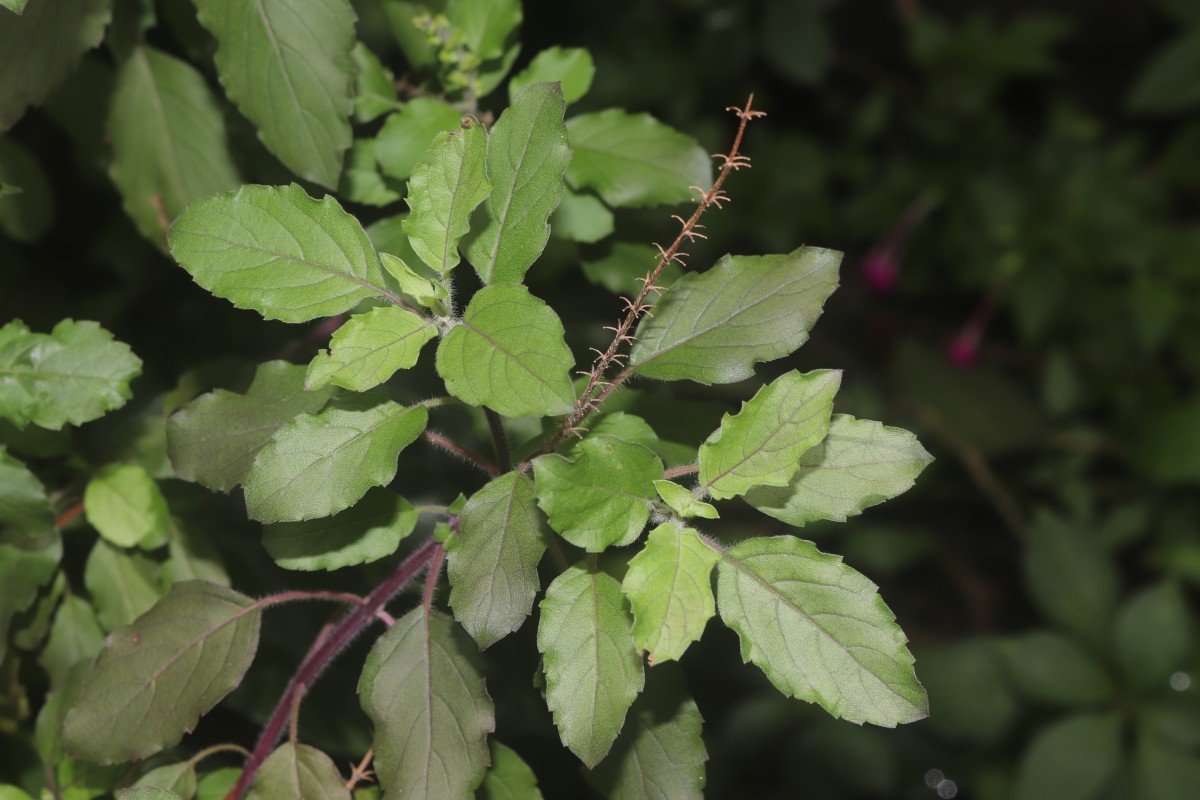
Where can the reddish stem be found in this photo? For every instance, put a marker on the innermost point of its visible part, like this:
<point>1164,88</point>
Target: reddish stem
<point>71,513</point>
<point>322,653</point>
<point>466,455</point>
<point>677,472</point>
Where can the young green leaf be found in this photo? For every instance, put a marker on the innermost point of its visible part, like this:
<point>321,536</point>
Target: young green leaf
<point>370,348</point>
<point>508,354</point>
<point>860,463</point>
<point>374,87</point>
<point>600,498</point>
<point>493,563</point>
<point>713,327</point>
<point>1153,635</point>
<point>486,25</point>
<point>288,69</point>
<point>761,445</point>
<point>39,48</point>
<point>635,160</point>
<point>1073,759</point>
<point>660,754</point>
<point>669,588</point>
<point>444,191</point>
<point>72,375</point>
<point>683,502</point>
<point>279,252</point>
<point>156,677</point>
<point>572,67</point>
<point>298,772</point>
<point>75,636</point>
<point>819,630</point>
<point>422,685</point>
<point>123,585</point>
<point>406,136</point>
<point>581,218</point>
<point>369,530</point>
<point>124,504</point>
<point>593,670</point>
<point>509,777</point>
<point>168,139</point>
<point>320,464</point>
<point>526,158</point>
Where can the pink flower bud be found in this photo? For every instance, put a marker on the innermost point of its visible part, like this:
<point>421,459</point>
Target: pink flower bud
<point>881,270</point>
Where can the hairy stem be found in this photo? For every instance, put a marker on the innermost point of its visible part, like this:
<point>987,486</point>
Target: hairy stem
<point>322,653</point>
<point>499,439</point>
<point>678,472</point>
<point>597,388</point>
<point>466,455</point>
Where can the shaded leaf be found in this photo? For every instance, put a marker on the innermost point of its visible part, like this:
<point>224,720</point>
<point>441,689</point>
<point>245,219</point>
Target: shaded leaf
<point>970,697</point>
<point>320,464</point>
<point>361,180</point>
<point>1049,667</point>
<point>168,139</point>
<point>1153,635</point>
<point>713,327</point>
<point>406,136</point>
<point>146,793</point>
<point>298,772</point>
<point>600,497</point>
<point>123,585</point>
<point>571,67</point>
<point>1071,578</point>
<point>508,354</point>
<point>279,252</point>
<point>493,563</point>
<point>124,504</point>
<point>370,348</point>
<point>288,69</point>
<point>26,199</point>
<point>669,589</point>
<point>191,556</point>
<point>23,501</point>
<point>1170,82</point>
<point>1168,446</point>
<point>761,445</point>
<point>444,191</point>
<point>374,89</point>
<point>422,685</point>
<point>527,156</point>
<point>75,636</point>
<point>72,375</point>
<point>860,463</point>
<point>28,560</point>
<point>635,160</point>
<point>156,677</point>
<point>581,218</point>
<point>1072,759</point>
<point>592,667</point>
<point>819,630</point>
<point>179,778</point>
<point>620,267</point>
<point>660,755</point>
<point>369,530</point>
<point>509,777</point>
<point>39,48</point>
<point>213,439</point>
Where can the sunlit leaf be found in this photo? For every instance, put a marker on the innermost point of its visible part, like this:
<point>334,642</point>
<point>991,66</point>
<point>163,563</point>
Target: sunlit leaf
<point>819,630</point>
<point>124,504</point>
<point>156,677</point>
<point>123,585</point>
<point>406,136</point>
<point>370,348</point>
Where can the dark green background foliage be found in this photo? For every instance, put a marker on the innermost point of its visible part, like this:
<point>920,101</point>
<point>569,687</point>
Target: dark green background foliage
<point>1016,191</point>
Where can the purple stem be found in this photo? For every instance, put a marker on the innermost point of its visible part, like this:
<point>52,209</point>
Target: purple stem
<point>322,653</point>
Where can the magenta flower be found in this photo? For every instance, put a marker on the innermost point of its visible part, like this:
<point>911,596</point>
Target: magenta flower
<point>881,265</point>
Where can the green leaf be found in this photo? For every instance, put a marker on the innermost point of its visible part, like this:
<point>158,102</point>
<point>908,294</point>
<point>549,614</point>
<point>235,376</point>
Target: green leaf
<point>970,696</point>
<point>715,326</point>
<point>279,252</point>
<point>1071,578</point>
<point>493,563</point>
<point>147,793</point>
<point>420,286</point>
<point>28,560</point>
<point>572,67</point>
<point>1168,446</point>
<point>320,464</point>
<point>1170,82</point>
<point>15,6</point>
<point>508,354</point>
<point>23,501</point>
<point>26,198</point>
<point>47,736</point>
<point>683,502</point>
<point>444,191</point>
<point>619,269</point>
<point>761,445</point>
<point>486,24</point>
<point>288,69</point>
<point>361,180</point>
<point>168,138</point>
<point>509,777</point>
<point>124,504</point>
<point>123,585</point>
<point>581,218</point>
<point>374,89</point>
<point>298,772</point>
<point>860,463</point>
<point>819,630</point>
<point>406,136</point>
<point>593,670</point>
<point>1051,668</point>
<point>796,39</point>
<point>217,784</point>
<point>72,375</point>
<point>179,778</point>
<point>600,497</point>
<point>669,588</point>
<point>626,427</point>
<point>1164,773</point>
<point>156,677</point>
<point>191,556</point>
<point>370,348</point>
<point>75,636</point>
<point>213,439</point>
<point>1153,635</point>
<point>369,530</point>
<point>526,158</point>
<point>635,160</point>
<point>422,685</point>
<point>42,46</point>
<point>1072,759</point>
<point>660,755</point>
